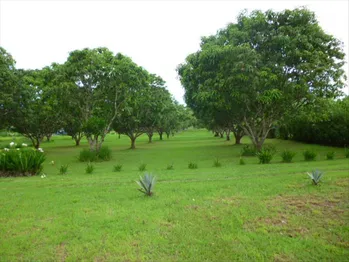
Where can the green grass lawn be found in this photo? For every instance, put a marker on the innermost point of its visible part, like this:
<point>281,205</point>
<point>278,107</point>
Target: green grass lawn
<point>246,212</point>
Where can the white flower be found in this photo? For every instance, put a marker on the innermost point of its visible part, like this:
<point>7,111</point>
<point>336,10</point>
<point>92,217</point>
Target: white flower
<point>6,149</point>
<point>52,162</point>
<point>193,199</point>
<point>24,145</point>
<point>40,150</point>
<point>12,144</point>
<point>17,148</point>
<point>43,176</point>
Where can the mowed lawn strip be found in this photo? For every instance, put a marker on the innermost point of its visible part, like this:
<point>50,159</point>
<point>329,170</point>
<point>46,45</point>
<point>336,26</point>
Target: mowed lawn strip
<point>233,212</point>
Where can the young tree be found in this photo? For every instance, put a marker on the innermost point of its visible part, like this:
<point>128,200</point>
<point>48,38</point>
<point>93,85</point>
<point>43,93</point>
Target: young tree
<point>263,66</point>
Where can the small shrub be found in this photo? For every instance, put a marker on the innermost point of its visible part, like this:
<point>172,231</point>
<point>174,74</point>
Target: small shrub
<point>142,167</point>
<point>104,153</point>
<point>242,161</point>
<point>309,155</point>
<point>170,167</point>
<point>248,150</point>
<point>216,163</point>
<point>315,176</point>
<point>192,165</point>
<point>270,148</point>
<point>89,168</point>
<point>117,168</point>
<point>146,183</point>
<point>346,152</point>
<point>87,156</point>
<point>63,170</point>
<point>265,156</point>
<point>330,155</point>
<point>287,156</point>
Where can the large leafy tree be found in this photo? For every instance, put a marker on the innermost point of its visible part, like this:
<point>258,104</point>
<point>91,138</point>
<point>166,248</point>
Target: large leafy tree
<point>263,66</point>
<point>8,87</point>
<point>97,84</point>
<point>36,113</point>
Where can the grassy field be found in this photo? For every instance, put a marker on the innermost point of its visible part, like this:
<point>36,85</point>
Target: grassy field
<point>249,213</point>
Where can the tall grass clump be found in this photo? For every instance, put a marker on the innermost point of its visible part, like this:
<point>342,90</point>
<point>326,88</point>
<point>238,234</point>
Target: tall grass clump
<point>309,155</point>
<point>287,156</point>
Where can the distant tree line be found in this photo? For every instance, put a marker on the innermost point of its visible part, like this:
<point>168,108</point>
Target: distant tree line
<point>89,95</point>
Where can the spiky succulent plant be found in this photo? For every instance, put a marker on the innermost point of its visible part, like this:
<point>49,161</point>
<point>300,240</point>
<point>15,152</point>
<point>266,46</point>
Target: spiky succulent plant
<point>315,176</point>
<point>146,183</point>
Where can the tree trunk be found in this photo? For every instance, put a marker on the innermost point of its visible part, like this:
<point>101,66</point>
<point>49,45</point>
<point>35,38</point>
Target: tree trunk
<point>221,134</point>
<point>48,137</point>
<point>77,141</point>
<point>95,145</point>
<point>168,135</point>
<point>92,143</point>
<point>228,135</point>
<point>150,137</point>
<point>238,135</point>
<point>216,134</point>
<point>237,139</point>
<point>160,134</point>
<point>133,143</point>
<point>35,142</point>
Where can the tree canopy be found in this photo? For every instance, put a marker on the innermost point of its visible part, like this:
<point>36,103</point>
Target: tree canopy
<point>261,67</point>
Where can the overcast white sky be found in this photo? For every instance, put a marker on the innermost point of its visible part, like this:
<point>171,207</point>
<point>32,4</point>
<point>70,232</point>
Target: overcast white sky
<point>157,35</point>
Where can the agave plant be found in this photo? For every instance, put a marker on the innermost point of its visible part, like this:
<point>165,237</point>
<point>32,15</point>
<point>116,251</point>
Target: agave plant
<point>146,183</point>
<point>315,176</point>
